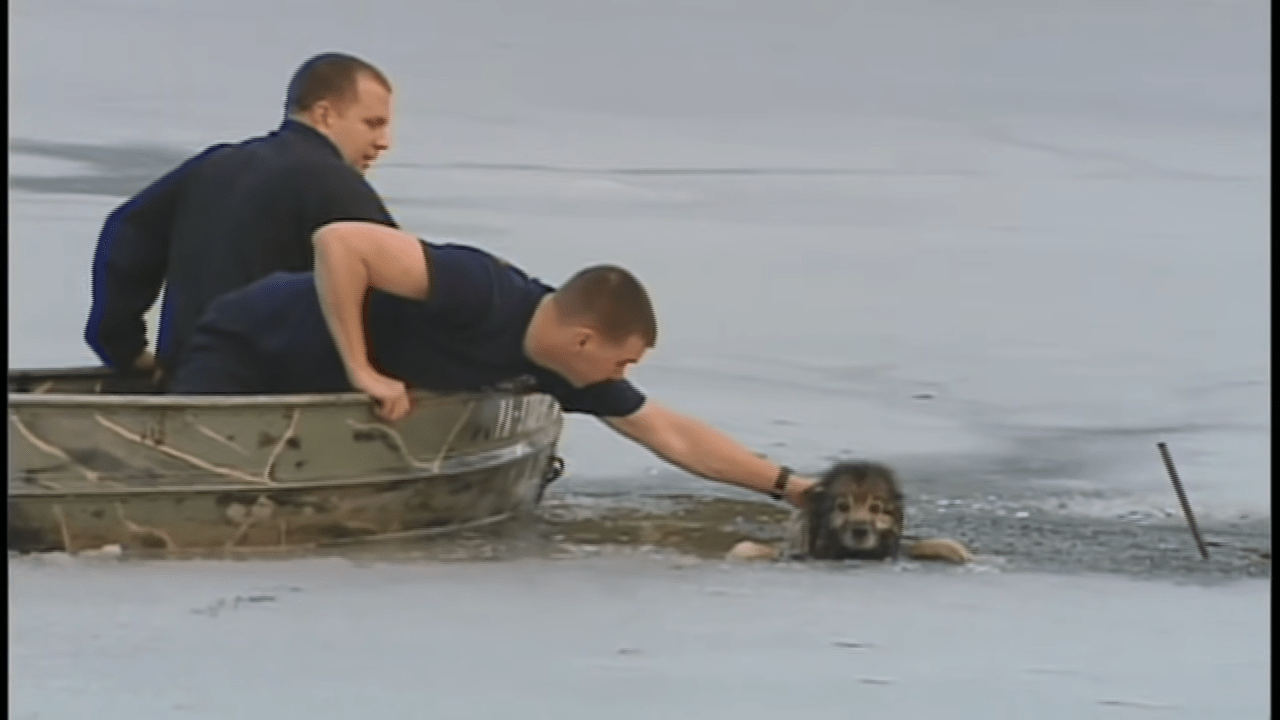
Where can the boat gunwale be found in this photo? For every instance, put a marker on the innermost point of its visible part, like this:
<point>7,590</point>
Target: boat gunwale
<point>167,400</point>
<point>349,399</point>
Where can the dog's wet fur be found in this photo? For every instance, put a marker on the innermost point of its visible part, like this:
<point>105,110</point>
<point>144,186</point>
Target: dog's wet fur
<point>855,511</point>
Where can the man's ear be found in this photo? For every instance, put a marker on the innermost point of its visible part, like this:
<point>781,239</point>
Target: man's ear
<point>582,336</point>
<point>322,114</point>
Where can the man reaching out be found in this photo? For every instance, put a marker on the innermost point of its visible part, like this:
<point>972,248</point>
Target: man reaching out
<point>447,318</point>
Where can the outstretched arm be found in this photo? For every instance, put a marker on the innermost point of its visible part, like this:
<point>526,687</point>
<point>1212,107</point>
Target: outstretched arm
<point>353,258</point>
<point>704,451</point>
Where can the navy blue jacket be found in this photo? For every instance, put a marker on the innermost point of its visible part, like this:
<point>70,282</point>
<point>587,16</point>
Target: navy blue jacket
<point>229,216</point>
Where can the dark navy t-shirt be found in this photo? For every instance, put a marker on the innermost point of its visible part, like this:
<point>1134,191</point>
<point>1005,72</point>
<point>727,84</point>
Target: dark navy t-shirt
<point>467,335</point>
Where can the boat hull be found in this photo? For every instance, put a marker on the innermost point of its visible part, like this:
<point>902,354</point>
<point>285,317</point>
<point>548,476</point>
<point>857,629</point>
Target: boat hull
<point>96,460</point>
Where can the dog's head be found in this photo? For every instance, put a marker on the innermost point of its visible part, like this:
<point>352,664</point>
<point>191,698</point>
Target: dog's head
<point>854,512</point>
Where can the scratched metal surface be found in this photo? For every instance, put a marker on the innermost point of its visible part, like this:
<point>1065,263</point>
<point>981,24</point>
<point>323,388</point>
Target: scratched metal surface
<point>88,469</point>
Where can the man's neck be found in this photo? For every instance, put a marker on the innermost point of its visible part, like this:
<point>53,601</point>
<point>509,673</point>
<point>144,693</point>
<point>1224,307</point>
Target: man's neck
<point>539,323</point>
<point>303,120</point>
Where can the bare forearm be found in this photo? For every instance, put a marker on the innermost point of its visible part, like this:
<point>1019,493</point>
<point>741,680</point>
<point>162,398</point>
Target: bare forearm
<point>711,454</point>
<point>342,281</point>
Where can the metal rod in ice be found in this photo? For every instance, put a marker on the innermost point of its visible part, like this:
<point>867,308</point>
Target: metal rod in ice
<point>1182,498</point>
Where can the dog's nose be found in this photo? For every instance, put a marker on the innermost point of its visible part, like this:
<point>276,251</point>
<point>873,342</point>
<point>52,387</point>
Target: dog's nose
<point>859,534</point>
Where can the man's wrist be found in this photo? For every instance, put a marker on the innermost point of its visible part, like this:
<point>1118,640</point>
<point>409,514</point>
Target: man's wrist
<point>780,483</point>
<point>361,375</point>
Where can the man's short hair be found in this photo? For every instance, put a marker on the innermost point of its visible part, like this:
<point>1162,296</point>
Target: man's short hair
<point>328,76</point>
<point>610,301</point>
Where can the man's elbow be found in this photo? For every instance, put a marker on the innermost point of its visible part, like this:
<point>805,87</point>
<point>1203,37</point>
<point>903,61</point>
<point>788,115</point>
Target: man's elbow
<point>326,236</point>
<point>111,333</point>
<point>341,243</point>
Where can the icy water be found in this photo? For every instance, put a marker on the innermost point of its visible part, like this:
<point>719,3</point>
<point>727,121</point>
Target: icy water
<point>1005,247</point>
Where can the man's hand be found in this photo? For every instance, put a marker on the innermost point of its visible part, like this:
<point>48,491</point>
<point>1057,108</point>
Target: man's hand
<point>145,361</point>
<point>391,395</point>
<point>796,488</point>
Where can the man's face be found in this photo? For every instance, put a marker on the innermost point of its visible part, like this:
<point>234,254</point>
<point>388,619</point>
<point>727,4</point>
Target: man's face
<point>361,128</point>
<point>589,358</point>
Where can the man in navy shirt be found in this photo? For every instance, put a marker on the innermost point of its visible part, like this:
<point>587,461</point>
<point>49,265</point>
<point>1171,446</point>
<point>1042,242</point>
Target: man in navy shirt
<point>449,317</point>
<point>238,212</point>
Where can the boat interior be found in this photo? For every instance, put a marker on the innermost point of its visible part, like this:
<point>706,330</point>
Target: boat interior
<point>81,381</point>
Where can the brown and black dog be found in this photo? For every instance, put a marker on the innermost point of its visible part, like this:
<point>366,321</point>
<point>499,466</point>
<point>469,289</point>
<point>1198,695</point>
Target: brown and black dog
<point>854,512</point>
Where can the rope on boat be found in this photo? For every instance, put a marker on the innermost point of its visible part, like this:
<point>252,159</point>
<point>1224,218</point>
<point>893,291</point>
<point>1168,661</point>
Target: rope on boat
<point>390,432</point>
<point>175,453</point>
<point>51,449</point>
<point>288,433</point>
<point>142,531</point>
<point>397,441</point>
<point>62,525</point>
<point>191,420</point>
<point>453,434</point>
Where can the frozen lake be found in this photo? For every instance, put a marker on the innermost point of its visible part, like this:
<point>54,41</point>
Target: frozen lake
<point>623,637</point>
<point>1055,227</point>
<point>1007,247</point>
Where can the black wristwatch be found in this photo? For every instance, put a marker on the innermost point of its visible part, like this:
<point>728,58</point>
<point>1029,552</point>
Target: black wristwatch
<point>780,485</point>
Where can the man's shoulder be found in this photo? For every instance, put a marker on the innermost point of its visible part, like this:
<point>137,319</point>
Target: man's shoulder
<point>608,399</point>
<point>273,169</point>
<point>451,256</point>
<point>503,270</point>
<point>284,150</point>
<point>460,266</point>
<point>292,150</point>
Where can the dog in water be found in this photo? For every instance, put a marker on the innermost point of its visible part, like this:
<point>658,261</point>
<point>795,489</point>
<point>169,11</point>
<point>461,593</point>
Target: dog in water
<point>854,512</point>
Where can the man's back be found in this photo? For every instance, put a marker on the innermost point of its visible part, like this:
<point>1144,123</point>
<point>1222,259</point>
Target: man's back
<point>467,335</point>
<point>224,219</point>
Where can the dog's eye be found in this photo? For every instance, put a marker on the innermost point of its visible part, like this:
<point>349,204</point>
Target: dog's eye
<point>875,508</point>
<point>843,506</point>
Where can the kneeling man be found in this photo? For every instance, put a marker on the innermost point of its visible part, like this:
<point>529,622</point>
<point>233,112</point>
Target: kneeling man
<point>447,318</point>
